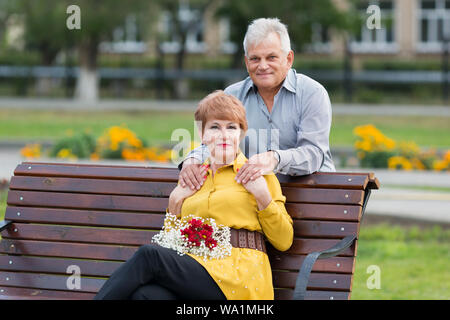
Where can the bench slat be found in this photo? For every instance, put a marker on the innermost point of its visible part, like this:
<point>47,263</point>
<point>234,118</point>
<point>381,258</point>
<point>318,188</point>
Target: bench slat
<point>147,173</point>
<point>93,268</point>
<point>75,185</point>
<point>13,293</point>
<point>336,181</point>
<point>316,211</point>
<point>324,281</point>
<point>151,204</point>
<point>47,281</point>
<point>287,294</point>
<point>84,217</point>
<point>122,253</point>
<point>86,201</point>
<point>323,195</point>
<point>307,228</point>
<point>320,281</point>
<point>294,262</point>
<point>67,249</point>
<point>324,229</point>
<point>101,268</point>
<point>78,234</point>
<point>155,220</point>
<point>97,171</point>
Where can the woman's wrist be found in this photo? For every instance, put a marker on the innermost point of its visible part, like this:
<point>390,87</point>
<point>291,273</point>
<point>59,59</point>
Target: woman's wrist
<point>175,202</point>
<point>263,200</point>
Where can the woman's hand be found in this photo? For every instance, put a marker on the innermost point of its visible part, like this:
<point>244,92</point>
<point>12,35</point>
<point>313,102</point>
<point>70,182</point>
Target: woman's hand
<point>260,191</point>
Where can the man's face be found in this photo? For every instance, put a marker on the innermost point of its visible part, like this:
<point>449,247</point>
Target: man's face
<point>266,63</point>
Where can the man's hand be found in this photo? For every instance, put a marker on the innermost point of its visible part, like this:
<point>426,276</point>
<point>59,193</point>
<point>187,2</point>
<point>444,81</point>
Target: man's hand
<point>256,166</point>
<point>192,174</point>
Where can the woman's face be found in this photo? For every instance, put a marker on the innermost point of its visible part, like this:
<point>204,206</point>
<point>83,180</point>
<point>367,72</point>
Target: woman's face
<point>222,138</point>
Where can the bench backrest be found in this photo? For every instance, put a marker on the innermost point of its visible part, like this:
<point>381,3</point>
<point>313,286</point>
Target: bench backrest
<point>96,216</point>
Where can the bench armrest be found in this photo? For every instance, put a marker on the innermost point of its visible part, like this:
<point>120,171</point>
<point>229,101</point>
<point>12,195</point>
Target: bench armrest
<point>4,224</point>
<point>305,271</point>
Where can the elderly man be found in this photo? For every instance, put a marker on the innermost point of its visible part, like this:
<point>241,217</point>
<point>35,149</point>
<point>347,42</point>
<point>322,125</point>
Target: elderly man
<point>288,114</point>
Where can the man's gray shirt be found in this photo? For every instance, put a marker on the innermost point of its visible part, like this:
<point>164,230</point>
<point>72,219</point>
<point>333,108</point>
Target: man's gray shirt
<point>298,127</point>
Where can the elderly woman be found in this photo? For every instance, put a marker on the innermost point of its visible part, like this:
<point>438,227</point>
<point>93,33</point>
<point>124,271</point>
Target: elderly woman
<point>251,210</point>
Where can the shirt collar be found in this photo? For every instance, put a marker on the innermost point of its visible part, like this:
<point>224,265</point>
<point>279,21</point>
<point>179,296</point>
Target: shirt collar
<point>237,163</point>
<point>290,82</point>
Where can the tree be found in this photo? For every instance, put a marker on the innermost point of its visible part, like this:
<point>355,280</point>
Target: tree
<point>181,24</point>
<point>99,18</point>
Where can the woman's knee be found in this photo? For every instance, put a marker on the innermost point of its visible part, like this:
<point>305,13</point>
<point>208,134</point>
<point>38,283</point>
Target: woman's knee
<point>147,250</point>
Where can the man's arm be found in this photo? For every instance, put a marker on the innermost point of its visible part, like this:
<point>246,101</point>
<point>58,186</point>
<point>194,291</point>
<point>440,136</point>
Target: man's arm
<point>312,137</point>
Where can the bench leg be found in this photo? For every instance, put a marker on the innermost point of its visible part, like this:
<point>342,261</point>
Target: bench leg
<point>308,263</point>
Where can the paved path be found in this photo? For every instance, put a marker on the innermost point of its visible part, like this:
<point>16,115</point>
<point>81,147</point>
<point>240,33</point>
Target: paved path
<point>393,199</point>
<point>190,105</point>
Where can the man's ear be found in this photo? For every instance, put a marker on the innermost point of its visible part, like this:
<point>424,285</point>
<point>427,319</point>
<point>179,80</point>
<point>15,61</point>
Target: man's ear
<point>246,62</point>
<point>290,58</point>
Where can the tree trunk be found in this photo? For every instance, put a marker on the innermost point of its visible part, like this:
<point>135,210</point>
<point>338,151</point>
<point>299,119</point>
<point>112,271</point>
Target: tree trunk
<point>87,83</point>
<point>181,83</point>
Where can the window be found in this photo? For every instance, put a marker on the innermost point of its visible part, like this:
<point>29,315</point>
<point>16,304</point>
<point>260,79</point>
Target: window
<point>376,40</point>
<point>320,39</point>
<point>194,39</point>
<point>126,38</point>
<point>433,20</point>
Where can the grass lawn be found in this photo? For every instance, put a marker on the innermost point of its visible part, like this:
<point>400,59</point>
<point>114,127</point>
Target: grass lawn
<point>414,263</point>
<point>157,126</point>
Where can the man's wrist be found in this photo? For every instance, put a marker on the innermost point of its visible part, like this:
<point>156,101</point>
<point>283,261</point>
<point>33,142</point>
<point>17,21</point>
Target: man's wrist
<point>277,158</point>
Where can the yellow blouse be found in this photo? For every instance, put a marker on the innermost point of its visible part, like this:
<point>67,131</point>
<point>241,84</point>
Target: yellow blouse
<point>246,274</point>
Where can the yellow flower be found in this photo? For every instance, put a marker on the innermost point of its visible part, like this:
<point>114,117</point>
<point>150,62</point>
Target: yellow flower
<point>417,164</point>
<point>399,162</point>
<point>66,153</point>
<point>440,165</point>
<point>447,156</point>
<point>31,151</point>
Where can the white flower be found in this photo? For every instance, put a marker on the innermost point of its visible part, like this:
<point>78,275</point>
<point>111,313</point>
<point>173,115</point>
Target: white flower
<point>170,237</point>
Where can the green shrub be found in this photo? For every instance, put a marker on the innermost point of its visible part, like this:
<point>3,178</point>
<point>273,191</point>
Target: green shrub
<point>80,145</point>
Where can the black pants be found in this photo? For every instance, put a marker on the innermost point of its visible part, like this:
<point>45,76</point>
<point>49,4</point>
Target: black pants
<point>158,273</point>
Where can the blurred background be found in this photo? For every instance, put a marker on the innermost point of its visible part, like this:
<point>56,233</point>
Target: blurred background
<point>110,83</point>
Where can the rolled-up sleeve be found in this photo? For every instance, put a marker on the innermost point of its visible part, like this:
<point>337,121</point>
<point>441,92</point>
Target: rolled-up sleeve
<point>312,136</point>
<point>274,219</point>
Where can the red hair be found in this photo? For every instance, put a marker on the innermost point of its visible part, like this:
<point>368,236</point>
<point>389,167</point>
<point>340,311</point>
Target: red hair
<point>221,106</point>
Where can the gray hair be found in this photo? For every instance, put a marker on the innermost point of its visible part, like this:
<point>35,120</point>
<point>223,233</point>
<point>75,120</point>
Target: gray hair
<point>260,28</point>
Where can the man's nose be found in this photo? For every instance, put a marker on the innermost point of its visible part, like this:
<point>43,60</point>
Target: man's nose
<point>263,64</point>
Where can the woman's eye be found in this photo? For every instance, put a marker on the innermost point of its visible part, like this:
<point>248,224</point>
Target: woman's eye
<point>232,127</point>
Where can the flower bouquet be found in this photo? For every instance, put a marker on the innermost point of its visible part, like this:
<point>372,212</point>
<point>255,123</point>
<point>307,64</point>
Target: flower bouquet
<point>199,236</point>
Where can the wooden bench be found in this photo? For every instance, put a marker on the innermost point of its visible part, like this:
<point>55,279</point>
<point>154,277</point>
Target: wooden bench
<point>96,216</point>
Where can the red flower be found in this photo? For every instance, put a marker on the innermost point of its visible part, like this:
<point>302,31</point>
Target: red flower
<point>199,231</point>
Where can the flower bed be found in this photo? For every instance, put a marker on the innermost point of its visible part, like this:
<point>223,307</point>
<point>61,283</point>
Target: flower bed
<point>375,150</point>
<point>117,142</point>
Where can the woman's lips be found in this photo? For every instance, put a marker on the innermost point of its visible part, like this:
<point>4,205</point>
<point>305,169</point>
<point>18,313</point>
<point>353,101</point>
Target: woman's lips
<point>224,145</point>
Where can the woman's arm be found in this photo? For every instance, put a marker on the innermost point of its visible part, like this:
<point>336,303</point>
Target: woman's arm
<point>273,217</point>
<point>177,197</point>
